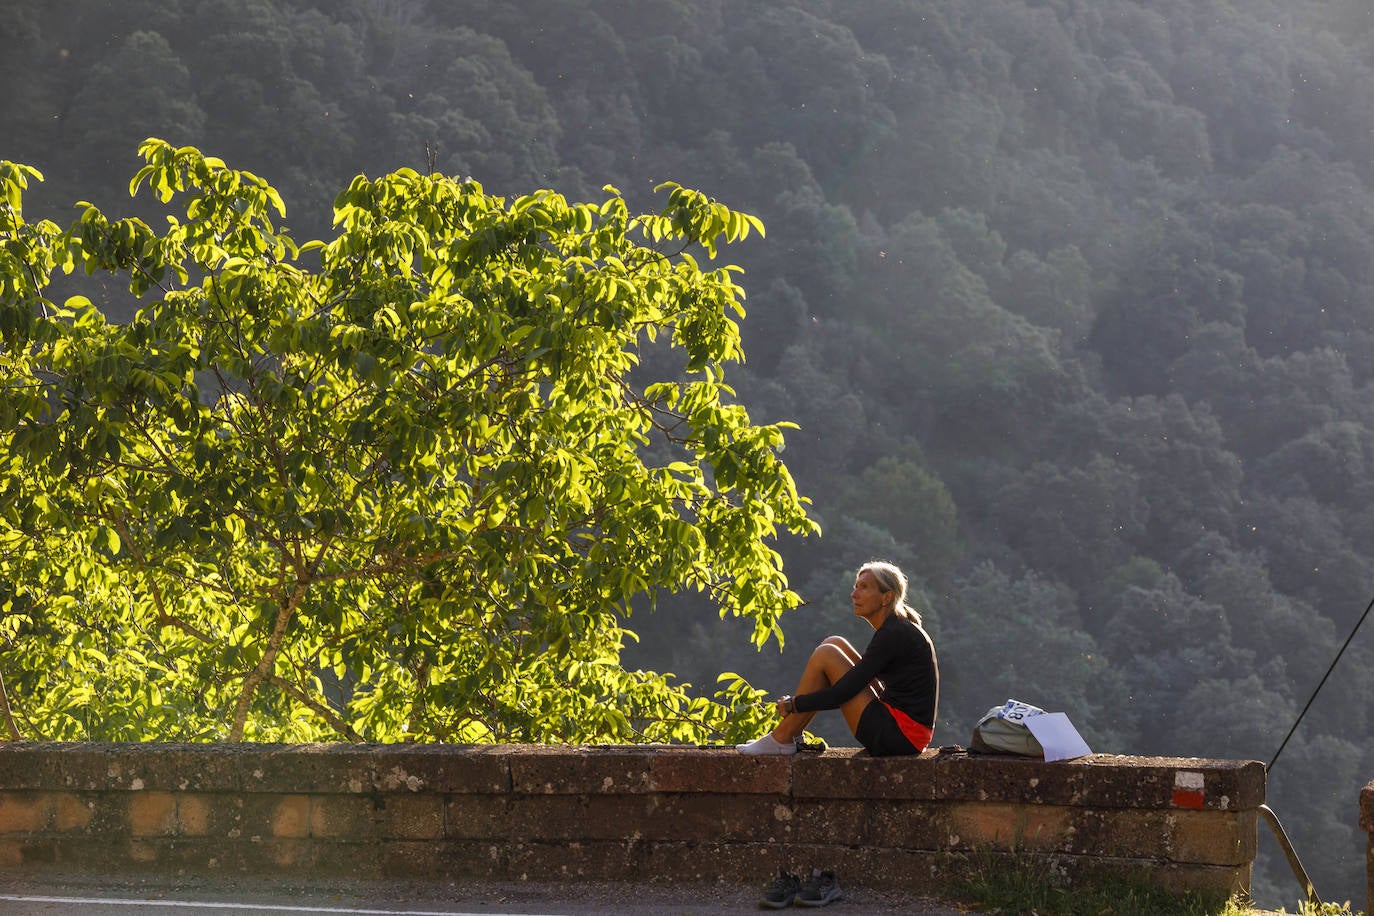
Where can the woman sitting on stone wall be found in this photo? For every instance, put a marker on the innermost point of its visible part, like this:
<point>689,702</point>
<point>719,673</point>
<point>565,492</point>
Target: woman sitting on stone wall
<point>888,695</point>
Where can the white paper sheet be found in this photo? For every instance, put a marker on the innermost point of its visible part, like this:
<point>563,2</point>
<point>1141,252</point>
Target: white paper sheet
<point>1057,736</point>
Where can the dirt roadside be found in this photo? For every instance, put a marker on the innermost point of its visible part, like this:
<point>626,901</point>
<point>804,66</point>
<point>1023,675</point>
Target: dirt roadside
<point>538,898</point>
<point>495,897</point>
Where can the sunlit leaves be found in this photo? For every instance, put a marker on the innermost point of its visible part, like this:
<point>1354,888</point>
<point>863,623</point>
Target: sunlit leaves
<point>397,483</point>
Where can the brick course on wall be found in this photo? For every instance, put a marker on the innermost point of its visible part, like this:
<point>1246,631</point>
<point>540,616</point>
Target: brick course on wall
<point>521,811</point>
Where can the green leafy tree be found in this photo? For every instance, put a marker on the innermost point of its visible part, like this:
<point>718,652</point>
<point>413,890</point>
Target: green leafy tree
<point>459,95</point>
<point>1164,636</point>
<point>811,84</point>
<point>1077,521</point>
<point>411,492</point>
<point>1307,553</point>
<point>141,87</point>
<point>974,364</point>
<point>1263,402</point>
<point>1238,717</point>
<point>912,502</point>
<point>1181,466</point>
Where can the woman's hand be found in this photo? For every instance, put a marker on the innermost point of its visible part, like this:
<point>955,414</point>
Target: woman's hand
<point>785,707</point>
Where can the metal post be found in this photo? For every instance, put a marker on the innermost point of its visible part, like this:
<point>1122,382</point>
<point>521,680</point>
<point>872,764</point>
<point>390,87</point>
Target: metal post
<point>1294,862</point>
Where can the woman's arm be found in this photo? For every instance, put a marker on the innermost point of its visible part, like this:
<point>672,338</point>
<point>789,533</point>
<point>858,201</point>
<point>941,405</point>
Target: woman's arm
<point>864,672</point>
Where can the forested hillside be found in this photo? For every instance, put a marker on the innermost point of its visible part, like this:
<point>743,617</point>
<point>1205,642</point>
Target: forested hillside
<point>1073,301</point>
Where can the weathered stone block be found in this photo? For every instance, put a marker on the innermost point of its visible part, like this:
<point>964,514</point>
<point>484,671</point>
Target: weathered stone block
<point>412,858</point>
<point>93,767</point>
<point>358,860</point>
<point>1369,873</point>
<point>445,768</point>
<point>845,774</point>
<point>745,818</point>
<point>346,817</point>
<point>563,818</point>
<point>1164,835</point>
<point>1217,838</point>
<point>85,853</point>
<point>1235,785</point>
<point>1367,824</point>
<point>72,812</point>
<point>647,861</point>
<point>1133,783</point>
<point>252,856</point>
<point>872,822</point>
<point>1367,809</point>
<point>21,852</point>
<point>450,858</point>
<point>1003,825</point>
<point>11,852</point>
<point>178,767</point>
<point>109,814</point>
<point>718,771</point>
<point>1121,833</point>
<point>197,855</point>
<point>1169,782</point>
<point>195,814</point>
<point>579,771</point>
<point>262,855</point>
<point>1014,780</point>
<point>29,765</point>
<point>477,817</point>
<point>274,816</point>
<point>145,852</point>
<point>137,767</point>
<point>224,815</point>
<point>406,817</point>
<point>152,814</point>
<point>331,768</point>
<point>25,812</point>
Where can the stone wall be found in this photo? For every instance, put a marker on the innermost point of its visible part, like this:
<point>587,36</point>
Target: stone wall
<point>1367,825</point>
<point>638,813</point>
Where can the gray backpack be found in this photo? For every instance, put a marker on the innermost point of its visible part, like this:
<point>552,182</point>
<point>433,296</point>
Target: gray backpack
<point>1002,730</point>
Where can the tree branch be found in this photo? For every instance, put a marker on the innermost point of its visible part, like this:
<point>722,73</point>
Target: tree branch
<point>319,709</point>
<point>10,726</point>
<point>163,618</point>
<point>262,670</point>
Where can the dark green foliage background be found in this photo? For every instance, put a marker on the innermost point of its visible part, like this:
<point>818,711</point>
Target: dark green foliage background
<point>1073,299</point>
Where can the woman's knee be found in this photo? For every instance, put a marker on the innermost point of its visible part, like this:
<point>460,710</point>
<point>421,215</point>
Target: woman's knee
<point>845,647</point>
<point>834,656</point>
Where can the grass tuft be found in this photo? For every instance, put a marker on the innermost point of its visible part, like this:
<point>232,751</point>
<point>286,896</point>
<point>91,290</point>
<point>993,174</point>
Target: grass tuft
<point>1324,909</point>
<point>1018,884</point>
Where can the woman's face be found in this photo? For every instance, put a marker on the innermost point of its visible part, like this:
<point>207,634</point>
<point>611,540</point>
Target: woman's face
<point>869,599</point>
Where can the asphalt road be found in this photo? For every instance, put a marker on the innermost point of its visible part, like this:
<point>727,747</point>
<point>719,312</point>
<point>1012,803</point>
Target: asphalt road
<point>47,895</point>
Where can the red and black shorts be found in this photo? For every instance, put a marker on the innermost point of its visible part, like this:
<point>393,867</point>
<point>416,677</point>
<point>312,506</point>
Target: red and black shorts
<point>888,732</point>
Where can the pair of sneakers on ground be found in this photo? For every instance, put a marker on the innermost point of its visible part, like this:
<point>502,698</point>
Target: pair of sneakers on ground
<point>817,890</point>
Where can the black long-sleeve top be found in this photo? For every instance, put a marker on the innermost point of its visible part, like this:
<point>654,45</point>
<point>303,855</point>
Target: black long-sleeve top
<point>901,657</point>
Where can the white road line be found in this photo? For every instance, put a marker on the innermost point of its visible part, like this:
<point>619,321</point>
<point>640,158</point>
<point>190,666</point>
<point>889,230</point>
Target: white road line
<point>206,905</point>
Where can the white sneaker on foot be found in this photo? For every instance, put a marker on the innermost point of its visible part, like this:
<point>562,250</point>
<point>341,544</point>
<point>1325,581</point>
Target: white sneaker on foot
<point>768,745</point>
